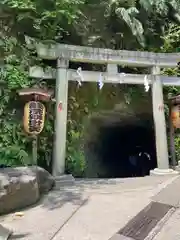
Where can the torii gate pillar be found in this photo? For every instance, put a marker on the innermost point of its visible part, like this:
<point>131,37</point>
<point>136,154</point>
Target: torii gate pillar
<point>160,126</point>
<point>61,95</point>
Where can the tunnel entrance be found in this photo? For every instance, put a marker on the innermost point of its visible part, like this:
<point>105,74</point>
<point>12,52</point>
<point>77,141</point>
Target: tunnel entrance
<point>120,145</point>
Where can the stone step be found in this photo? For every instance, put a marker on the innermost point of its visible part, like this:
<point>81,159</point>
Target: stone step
<point>64,181</point>
<point>65,177</point>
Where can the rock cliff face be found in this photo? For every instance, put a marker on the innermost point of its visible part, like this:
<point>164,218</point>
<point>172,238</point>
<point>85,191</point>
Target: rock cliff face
<point>102,120</point>
<point>21,187</point>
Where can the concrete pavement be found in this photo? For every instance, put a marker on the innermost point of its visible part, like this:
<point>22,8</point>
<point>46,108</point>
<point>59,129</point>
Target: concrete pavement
<point>86,210</point>
<point>171,229</point>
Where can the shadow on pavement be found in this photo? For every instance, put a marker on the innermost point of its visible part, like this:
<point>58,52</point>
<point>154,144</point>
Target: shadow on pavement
<point>57,199</point>
<point>19,236</point>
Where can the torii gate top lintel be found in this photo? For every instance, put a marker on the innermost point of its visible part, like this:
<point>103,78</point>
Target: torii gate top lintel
<point>100,55</point>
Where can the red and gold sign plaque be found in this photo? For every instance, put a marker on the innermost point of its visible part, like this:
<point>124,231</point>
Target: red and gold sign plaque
<point>34,117</point>
<point>175,116</point>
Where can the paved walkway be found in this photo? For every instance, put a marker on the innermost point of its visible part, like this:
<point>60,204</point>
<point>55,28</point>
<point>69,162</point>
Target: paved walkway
<point>87,210</point>
<point>171,229</point>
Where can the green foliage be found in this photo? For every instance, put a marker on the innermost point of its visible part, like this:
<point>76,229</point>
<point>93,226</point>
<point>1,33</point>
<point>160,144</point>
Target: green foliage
<point>75,161</point>
<point>13,141</point>
<point>172,39</point>
<point>43,19</point>
<point>15,145</point>
<point>177,145</point>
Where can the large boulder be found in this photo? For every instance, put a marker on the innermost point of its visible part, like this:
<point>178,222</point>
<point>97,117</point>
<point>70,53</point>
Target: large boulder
<point>17,191</point>
<point>44,178</point>
<point>21,187</point>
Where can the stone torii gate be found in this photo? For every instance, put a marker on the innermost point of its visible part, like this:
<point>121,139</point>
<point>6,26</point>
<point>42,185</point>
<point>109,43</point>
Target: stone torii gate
<point>65,53</point>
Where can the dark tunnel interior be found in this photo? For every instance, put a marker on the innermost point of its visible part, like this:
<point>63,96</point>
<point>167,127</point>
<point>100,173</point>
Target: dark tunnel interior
<point>119,143</point>
<point>125,150</point>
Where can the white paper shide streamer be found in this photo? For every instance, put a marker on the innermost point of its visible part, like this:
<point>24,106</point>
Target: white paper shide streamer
<point>121,77</point>
<point>100,81</point>
<point>146,84</point>
<point>80,78</point>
